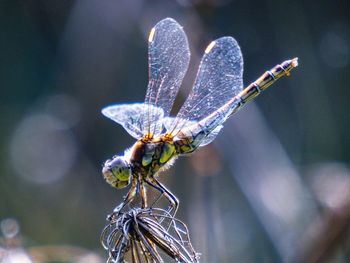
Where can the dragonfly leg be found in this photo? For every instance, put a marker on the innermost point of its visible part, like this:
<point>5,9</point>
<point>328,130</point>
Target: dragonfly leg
<point>174,202</point>
<point>127,199</point>
<point>143,194</point>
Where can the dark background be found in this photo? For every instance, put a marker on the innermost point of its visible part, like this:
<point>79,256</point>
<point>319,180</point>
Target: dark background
<point>274,187</point>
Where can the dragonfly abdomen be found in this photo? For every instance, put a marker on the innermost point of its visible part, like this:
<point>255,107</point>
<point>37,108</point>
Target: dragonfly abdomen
<point>188,140</point>
<point>199,133</point>
<point>265,81</point>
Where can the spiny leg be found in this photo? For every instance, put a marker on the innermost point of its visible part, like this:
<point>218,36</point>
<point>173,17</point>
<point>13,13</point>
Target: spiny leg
<point>143,194</point>
<point>127,199</point>
<point>174,202</point>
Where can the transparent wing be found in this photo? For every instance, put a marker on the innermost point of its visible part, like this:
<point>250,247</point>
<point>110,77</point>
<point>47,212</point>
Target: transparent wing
<point>211,136</point>
<point>219,79</point>
<point>130,117</point>
<point>169,57</point>
<point>191,128</point>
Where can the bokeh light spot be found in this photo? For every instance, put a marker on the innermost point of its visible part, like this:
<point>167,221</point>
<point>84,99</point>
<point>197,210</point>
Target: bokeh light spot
<point>42,149</point>
<point>334,50</point>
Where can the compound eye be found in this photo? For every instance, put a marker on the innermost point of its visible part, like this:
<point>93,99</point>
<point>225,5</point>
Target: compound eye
<point>121,173</point>
<point>121,184</point>
<point>117,172</point>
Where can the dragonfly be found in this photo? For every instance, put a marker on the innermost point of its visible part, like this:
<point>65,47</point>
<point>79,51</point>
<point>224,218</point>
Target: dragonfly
<point>216,95</point>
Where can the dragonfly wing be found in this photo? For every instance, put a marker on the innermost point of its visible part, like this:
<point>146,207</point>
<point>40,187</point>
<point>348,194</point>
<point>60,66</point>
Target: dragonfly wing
<point>130,116</point>
<point>219,79</point>
<point>211,136</point>
<point>168,60</point>
<point>191,128</point>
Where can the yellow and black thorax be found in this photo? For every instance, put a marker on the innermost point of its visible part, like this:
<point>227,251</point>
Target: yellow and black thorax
<point>150,155</point>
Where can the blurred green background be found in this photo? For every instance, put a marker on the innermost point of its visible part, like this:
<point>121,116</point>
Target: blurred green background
<point>275,185</point>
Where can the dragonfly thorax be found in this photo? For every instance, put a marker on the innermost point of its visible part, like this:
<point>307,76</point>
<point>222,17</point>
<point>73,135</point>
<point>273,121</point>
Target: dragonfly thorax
<point>150,156</point>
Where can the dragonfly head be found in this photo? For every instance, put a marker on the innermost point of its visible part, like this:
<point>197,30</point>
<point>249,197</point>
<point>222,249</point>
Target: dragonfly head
<point>117,172</point>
